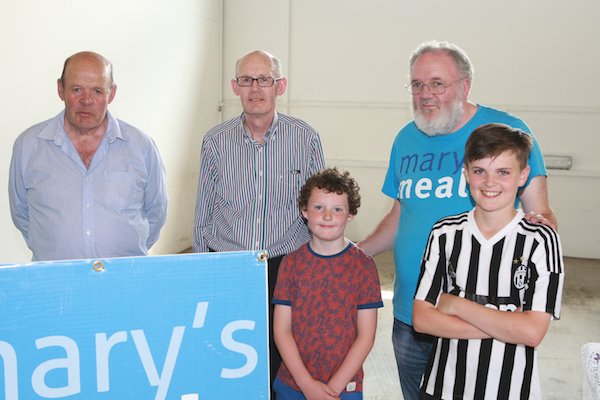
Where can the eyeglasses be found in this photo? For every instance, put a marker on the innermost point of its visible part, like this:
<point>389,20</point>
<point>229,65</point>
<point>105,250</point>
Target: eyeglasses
<point>263,81</point>
<point>435,87</point>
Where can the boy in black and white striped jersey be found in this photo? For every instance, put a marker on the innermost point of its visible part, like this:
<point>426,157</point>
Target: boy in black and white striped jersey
<point>490,281</point>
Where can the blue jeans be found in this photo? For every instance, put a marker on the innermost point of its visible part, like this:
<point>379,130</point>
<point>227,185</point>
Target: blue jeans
<point>287,393</point>
<point>412,352</point>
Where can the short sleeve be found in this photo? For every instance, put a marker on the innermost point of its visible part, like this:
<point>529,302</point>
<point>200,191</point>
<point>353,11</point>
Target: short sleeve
<point>390,184</point>
<point>431,272</point>
<point>283,288</point>
<point>544,291</point>
<point>369,288</point>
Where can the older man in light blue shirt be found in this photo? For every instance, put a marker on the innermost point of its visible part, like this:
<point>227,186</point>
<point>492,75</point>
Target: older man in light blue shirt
<point>85,184</point>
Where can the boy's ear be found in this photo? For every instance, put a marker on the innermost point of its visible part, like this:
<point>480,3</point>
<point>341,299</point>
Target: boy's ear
<point>464,171</point>
<point>350,217</point>
<point>305,213</point>
<point>524,176</point>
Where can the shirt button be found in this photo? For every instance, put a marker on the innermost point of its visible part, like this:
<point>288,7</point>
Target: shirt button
<point>87,232</point>
<point>87,204</point>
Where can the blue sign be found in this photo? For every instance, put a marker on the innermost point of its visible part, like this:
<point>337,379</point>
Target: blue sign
<point>184,327</point>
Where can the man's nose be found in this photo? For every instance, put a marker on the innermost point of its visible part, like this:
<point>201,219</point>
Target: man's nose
<point>426,92</point>
<point>86,98</point>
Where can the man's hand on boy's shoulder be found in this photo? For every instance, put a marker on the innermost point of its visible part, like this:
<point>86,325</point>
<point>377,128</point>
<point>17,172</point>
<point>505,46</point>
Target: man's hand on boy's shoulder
<point>536,218</point>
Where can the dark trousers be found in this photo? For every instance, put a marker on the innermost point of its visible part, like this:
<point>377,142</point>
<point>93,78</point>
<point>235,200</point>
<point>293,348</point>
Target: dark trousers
<point>274,357</point>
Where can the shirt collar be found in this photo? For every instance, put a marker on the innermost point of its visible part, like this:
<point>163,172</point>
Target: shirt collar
<point>56,129</point>
<point>113,129</point>
<point>270,133</point>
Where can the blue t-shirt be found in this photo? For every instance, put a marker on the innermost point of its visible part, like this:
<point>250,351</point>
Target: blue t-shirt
<point>425,174</point>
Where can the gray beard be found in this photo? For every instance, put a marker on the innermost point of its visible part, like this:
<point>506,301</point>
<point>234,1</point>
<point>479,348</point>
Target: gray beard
<point>442,125</point>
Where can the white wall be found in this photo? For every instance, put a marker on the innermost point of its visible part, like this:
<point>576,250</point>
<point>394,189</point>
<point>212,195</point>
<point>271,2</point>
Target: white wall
<point>166,58</point>
<point>347,61</point>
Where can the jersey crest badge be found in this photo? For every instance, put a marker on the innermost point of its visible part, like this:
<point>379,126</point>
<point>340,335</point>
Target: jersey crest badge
<point>521,276</point>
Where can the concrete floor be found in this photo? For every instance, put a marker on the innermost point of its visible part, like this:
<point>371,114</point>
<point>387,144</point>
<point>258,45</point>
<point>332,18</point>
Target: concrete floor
<point>559,355</point>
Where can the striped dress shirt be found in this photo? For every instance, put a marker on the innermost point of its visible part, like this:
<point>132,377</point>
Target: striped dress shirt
<point>520,266</point>
<point>248,191</point>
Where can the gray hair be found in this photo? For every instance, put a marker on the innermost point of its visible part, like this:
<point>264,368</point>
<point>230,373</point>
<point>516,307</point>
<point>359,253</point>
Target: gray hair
<point>461,60</point>
<point>275,63</point>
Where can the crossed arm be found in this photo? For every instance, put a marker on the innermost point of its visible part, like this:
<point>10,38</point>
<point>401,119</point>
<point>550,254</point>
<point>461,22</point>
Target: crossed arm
<point>459,318</point>
<point>312,388</point>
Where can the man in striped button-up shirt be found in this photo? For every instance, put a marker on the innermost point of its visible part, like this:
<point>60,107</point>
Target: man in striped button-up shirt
<point>251,171</point>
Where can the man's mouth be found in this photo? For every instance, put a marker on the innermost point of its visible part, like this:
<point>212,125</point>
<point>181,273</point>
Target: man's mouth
<point>427,107</point>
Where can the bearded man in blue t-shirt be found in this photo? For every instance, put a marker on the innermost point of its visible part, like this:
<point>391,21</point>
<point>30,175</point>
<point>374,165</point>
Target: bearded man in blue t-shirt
<point>426,181</point>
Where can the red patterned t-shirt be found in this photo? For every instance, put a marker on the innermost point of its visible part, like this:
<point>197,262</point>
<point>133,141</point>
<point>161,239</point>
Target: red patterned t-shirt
<point>325,293</point>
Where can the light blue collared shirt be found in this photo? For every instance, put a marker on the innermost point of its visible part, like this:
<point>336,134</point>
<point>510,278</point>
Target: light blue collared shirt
<point>115,208</point>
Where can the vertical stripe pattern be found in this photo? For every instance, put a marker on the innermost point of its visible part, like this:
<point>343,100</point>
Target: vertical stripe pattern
<point>247,191</point>
<point>521,266</point>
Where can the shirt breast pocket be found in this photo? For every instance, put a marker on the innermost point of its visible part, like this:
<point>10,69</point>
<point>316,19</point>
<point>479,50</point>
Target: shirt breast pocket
<point>287,188</point>
<point>123,190</point>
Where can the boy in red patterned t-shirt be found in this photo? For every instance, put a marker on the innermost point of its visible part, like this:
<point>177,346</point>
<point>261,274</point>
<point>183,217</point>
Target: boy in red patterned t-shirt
<point>326,298</point>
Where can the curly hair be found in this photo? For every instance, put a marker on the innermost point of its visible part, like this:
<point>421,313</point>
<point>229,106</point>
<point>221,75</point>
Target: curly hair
<point>332,181</point>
